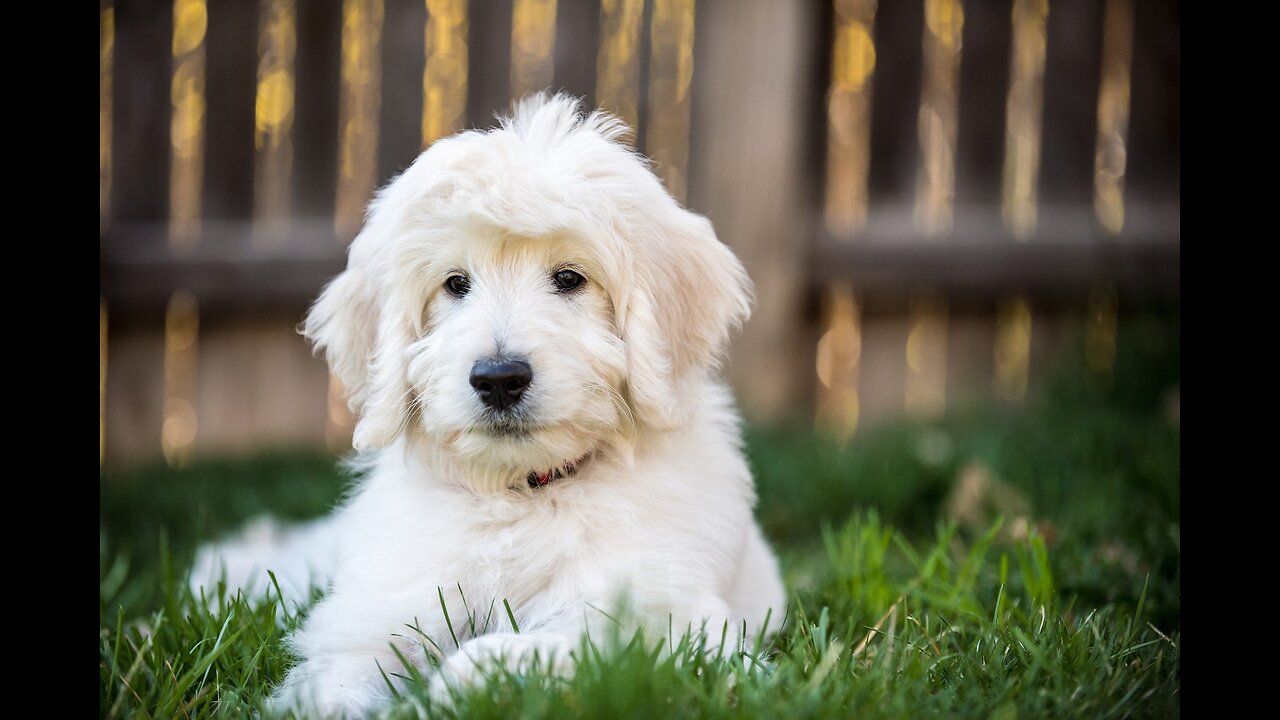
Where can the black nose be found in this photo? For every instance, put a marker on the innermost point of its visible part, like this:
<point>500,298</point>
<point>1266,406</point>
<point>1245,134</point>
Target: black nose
<point>500,382</point>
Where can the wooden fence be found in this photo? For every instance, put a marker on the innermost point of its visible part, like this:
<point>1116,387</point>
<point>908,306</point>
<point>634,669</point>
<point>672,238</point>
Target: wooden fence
<point>929,194</point>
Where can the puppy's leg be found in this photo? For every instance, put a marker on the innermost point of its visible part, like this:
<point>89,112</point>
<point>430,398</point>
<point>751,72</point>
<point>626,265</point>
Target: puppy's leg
<point>338,686</point>
<point>346,647</point>
<point>302,556</point>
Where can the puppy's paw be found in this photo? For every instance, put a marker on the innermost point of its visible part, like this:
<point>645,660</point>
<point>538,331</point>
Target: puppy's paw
<point>311,693</point>
<point>476,658</point>
<point>458,673</point>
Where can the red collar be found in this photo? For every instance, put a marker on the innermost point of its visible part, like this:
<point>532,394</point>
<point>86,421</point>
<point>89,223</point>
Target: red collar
<point>538,479</point>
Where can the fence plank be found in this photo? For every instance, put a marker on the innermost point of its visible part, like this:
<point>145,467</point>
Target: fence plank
<point>490,61</point>
<point>984,89</point>
<point>618,59</point>
<point>403,54</point>
<point>360,91</point>
<point>230,90</point>
<point>1155,116</point>
<point>1056,266</point>
<point>853,61</point>
<point>259,384</point>
<point>274,112</point>
<point>189,102</point>
<point>896,103</point>
<point>446,73</point>
<point>141,144</point>
<point>750,175</point>
<point>135,388</point>
<point>671,66</point>
<point>315,134</point>
<point>577,45</point>
<point>533,41</point>
<point>1072,68</point>
<point>228,270</point>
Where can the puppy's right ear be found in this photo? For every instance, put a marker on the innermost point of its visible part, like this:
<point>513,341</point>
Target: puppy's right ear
<point>342,324</point>
<point>363,341</point>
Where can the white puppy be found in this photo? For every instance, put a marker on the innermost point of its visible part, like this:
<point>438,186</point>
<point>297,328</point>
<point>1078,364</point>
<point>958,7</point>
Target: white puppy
<point>529,329</point>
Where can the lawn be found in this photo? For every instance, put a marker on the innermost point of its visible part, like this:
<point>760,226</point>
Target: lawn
<point>999,563</point>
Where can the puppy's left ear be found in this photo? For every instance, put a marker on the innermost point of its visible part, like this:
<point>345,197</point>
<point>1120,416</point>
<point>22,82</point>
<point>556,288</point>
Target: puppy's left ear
<point>689,294</point>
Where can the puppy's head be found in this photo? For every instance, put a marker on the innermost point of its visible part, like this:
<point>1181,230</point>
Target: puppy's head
<point>523,297</point>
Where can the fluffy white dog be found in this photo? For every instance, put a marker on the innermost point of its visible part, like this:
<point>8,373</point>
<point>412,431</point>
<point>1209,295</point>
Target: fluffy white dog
<point>529,329</point>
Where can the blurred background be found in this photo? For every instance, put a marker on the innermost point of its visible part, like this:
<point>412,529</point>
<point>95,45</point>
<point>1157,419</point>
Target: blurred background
<point>939,201</point>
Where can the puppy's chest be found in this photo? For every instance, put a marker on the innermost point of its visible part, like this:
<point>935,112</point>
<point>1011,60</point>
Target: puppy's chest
<point>527,543</point>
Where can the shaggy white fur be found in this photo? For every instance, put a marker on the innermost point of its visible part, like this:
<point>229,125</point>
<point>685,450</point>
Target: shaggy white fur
<point>623,374</point>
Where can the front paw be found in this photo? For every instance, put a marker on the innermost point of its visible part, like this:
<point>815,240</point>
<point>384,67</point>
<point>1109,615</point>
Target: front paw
<point>518,653</point>
<point>309,692</point>
<point>455,675</point>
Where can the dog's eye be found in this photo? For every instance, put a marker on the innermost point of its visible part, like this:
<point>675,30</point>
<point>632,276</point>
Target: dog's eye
<point>567,280</point>
<point>457,285</point>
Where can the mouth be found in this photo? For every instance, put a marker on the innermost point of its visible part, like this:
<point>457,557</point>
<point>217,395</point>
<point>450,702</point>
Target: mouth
<point>521,451</point>
<point>506,428</point>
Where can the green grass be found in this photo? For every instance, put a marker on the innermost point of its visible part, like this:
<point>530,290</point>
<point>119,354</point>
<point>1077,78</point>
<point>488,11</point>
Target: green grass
<point>1067,606</point>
